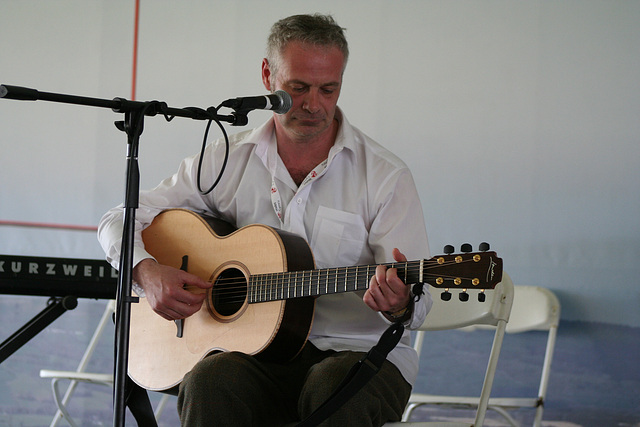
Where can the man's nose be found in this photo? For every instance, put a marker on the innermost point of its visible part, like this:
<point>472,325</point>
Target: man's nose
<point>312,101</point>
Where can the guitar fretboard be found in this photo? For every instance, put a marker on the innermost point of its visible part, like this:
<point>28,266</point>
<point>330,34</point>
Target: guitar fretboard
<point>298,284</point>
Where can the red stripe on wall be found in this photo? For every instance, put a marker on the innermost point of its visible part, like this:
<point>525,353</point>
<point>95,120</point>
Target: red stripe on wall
<point>49,225</point>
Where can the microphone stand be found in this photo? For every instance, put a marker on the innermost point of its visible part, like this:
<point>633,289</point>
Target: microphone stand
<point>134,113</point>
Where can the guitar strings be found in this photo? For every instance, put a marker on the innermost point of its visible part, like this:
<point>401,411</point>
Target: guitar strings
<point>271,287</point>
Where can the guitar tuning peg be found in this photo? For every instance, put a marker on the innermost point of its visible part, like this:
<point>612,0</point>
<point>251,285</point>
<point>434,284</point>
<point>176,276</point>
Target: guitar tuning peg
<point>449,249</point>
<point>464,297</point>
<point>445,296</point>
<point>484,247</point>
<point>466,248</point>
<point>482,297</point>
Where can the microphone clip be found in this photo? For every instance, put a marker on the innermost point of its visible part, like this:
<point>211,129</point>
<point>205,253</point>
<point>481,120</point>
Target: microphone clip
<point>240,118</point>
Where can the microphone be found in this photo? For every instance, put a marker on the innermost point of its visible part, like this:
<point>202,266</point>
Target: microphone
<point>279,102</point>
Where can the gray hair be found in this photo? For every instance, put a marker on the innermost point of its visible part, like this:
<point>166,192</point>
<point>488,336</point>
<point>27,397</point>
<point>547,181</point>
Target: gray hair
<point>316,29</point>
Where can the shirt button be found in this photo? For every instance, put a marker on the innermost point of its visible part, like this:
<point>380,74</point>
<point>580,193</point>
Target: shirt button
<point>299,200</point>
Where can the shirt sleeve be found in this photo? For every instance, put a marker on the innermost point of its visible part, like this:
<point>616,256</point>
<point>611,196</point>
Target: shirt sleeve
<point>177,191</point>
<point>399,223</point>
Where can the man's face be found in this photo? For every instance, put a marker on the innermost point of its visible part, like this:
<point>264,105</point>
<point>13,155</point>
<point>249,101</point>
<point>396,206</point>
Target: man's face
<point>312,75</point>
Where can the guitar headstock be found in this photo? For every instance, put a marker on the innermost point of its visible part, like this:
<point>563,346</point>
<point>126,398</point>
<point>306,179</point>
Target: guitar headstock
<point>464,271</point>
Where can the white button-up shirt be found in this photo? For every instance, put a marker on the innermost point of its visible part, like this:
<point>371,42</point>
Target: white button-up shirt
<point>353,209</point>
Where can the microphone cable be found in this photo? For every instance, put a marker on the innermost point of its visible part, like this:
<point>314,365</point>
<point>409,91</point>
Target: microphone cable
<point>204,145</point>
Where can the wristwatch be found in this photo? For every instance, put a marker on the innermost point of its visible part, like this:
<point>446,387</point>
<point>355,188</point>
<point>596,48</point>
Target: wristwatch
<point>401,315</point>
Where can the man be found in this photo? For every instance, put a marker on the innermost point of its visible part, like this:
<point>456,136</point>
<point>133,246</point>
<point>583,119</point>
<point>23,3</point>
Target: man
<point>309,172</point>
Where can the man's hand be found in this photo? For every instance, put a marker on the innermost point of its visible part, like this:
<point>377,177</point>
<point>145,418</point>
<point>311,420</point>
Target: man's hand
<point>165,291</point>
<point>387,292</point>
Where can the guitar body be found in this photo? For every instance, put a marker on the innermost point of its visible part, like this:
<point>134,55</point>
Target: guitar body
<point>275,330</point>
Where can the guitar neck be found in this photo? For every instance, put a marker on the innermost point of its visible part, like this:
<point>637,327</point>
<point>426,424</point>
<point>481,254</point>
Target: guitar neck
<point>309,283</point>
<point>479,270</point>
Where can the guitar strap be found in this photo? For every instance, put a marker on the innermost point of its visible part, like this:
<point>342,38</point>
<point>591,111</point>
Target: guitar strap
<point>358,376</point>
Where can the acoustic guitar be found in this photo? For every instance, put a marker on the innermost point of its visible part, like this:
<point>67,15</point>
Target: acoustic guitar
<point>262,298</point>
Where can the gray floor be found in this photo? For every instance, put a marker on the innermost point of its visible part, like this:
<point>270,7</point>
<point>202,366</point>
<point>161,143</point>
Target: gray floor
<point>595,378</point>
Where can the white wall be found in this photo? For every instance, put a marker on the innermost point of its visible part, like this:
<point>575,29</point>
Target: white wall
<point>518,119</point>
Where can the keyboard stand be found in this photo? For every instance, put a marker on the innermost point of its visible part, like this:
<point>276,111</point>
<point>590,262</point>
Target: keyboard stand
<point>56,307</point>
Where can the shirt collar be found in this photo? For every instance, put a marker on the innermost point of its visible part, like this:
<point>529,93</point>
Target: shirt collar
<point>264,137</point>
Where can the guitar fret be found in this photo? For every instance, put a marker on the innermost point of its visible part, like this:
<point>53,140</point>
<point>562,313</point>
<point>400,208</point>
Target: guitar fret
<point>302,285</point>
<point>346,281</point>
<point>355,279</point>
<point>326,281</point>
<point>406,271</point>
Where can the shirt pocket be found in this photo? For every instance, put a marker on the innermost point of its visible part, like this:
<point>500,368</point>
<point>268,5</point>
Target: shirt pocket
<point>338,238</point>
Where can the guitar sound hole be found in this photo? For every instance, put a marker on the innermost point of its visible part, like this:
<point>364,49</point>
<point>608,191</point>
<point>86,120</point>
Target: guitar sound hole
<point>229,292</point>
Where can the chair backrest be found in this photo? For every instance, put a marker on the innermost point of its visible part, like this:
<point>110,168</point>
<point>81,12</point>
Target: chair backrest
<point>455,313</point>
<point>534,309</point>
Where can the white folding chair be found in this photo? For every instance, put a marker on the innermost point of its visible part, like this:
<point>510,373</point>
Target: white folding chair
<point>80,375</point>
<point>534,309</point>
<point>454,314</point>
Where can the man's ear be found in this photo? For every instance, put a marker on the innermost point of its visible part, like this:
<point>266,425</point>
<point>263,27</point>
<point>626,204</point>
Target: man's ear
<point>266,74</point>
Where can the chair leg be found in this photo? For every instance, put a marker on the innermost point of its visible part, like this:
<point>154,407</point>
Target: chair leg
<point>406,415</point>
<point>60,404</point>
<point>491,370</point>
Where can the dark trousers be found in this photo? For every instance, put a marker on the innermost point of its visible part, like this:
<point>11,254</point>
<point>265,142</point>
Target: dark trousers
<point>234,389</point>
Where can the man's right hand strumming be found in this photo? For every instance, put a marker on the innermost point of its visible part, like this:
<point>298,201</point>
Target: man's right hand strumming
<point>164,288</point>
